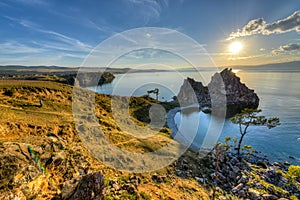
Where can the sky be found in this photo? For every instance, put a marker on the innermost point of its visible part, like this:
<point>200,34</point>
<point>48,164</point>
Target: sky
<point>64,33</point>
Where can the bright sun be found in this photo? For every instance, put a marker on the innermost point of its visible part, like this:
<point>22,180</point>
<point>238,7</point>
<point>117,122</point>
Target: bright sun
<point>235,47</point>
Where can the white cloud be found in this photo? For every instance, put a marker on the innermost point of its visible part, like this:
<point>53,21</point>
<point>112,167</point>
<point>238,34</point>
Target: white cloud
<point>150,9</point>
<point>73,43</point>
<point>247,57</point>
<point>289,48</point>
<point>33,2</point>
<point>13,47</point>
<point>147,8</point>
<point>260,26</point>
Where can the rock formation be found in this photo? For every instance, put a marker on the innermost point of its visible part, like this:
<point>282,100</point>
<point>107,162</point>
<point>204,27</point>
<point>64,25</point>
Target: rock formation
<point>224,89</point>
<point>89,186</point>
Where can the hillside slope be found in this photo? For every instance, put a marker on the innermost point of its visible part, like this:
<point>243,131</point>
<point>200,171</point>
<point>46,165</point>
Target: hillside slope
<point>41,150</point>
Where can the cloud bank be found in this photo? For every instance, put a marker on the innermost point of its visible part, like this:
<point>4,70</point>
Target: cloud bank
<point>289,48</point>
<point>260,26</point>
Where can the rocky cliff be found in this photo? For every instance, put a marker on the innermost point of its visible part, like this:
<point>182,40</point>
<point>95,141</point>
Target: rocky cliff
<point>225,88</point>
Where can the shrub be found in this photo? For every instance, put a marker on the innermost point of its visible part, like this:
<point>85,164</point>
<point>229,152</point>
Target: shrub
<point>9,92</point>
<point>294,171</point>
<point>144,195</point>
<point>293,197</point>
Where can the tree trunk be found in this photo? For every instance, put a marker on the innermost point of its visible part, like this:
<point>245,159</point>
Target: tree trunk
<point>239,146</point>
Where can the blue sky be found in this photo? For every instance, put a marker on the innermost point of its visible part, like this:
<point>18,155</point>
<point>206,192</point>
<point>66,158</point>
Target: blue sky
<point>57,32</point>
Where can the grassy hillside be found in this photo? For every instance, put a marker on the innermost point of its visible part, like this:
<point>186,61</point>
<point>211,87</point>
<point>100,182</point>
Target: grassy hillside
<point>43,154</point>
<point>41,150</point>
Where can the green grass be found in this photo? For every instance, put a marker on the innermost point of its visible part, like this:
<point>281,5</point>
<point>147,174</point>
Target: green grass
<point>146,196</point>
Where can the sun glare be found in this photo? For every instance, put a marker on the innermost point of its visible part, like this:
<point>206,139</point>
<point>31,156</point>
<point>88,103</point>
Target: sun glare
<point>235,71</point>
<point>235,47</point>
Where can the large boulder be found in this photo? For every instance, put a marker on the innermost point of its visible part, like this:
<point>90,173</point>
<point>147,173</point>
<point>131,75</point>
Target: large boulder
<point>224,89</point>
<point>87,187</point>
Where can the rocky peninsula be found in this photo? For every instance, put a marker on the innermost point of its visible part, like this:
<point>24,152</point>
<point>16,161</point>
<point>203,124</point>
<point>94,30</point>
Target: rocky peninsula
<point>224,89</point>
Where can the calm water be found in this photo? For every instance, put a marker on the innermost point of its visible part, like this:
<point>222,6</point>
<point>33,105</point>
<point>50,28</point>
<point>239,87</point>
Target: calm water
<point>279,94</point>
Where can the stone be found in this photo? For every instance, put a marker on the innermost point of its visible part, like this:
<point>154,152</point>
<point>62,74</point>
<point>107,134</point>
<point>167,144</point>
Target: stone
<point>237,188</point>
<point>231,174</point>
<point>259,186</point>
<point>241,194</point>
<point>116,186</point>
<point>235,169</point>
<point>234,161</point>
<point>254,194</point>
<point>15,194</point>
<point>284,180</point>
<point>224,89</point>
<point>200,180</point>
<point>157,178</point>
<point>287,163</point>
<point>89,186</point>
<point>243,179</point>
<point>277,164</point>
<point>130,188</point>
<point>269,197</point>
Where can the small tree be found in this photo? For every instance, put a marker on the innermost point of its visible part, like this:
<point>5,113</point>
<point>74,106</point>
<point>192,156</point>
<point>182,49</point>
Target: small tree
<point>249,117</point>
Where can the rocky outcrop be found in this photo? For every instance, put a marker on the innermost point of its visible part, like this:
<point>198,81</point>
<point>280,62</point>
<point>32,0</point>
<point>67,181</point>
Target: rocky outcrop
<point>89,186</point>
<point>242,179</point>
<point>224,89</point>
<point>47,171</point>
<point>86,79</point>
<point>192,92</point>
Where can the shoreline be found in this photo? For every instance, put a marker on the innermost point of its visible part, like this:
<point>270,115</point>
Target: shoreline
<point>172,125</point>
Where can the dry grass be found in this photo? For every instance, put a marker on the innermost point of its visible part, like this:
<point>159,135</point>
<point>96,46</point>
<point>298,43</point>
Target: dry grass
<point>23,121</point>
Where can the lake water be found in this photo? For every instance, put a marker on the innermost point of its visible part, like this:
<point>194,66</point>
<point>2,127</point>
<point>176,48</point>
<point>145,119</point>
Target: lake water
<point>279,94</point>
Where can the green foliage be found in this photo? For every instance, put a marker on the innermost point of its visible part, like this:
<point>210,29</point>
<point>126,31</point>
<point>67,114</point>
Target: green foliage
<point>262,164</point>
<point>146,196</point>
<point>107,197</point>
<point>106,182</point>
<point>249,117</point>
<point>129,196</point>
<point>124,178</point>
<point>294,171</point>
<point>234,141</point>
<point>227,139</point>
<point>248,147</point>
<point>9,92</point>
<point>293,197</point>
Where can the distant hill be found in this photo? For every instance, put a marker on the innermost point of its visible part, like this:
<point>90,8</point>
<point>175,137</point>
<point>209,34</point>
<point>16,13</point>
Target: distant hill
<point>287,66</point>
<point>40,68</point>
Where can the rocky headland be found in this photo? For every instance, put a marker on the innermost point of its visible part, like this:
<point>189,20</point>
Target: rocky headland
<point>224,90</point>
<point>66,75</point>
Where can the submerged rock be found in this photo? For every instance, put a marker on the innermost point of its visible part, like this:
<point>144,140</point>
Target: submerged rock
<point>225,90</point>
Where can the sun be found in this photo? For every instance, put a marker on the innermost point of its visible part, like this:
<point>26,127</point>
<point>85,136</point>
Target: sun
<point>235,47</point>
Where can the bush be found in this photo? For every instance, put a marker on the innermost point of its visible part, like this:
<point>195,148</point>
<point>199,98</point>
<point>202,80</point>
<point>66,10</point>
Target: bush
<point>9,92</point>
<point>294,171</point>
<point>293,197</point>
<point>146,196</point>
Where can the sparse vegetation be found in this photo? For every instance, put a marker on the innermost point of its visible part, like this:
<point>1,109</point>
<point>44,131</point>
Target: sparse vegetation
<point>145,196</point>
<point>9,92</point>
<point>248,117</point>
<point>294,171</point>
<point>60,153</point>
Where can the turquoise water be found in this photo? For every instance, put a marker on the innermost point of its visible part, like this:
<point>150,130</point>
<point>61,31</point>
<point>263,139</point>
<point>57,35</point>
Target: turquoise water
<point>279,94</point>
